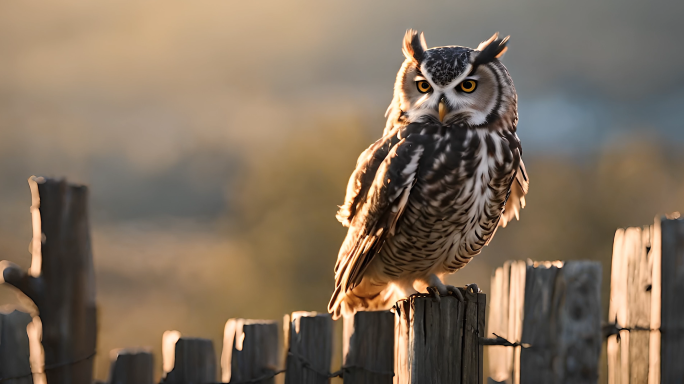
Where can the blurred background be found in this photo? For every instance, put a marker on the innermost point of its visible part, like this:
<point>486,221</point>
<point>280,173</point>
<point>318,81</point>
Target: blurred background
<point>217,138</point>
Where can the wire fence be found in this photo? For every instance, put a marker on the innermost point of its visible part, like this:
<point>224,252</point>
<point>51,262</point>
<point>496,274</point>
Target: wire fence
<point>545,319</point>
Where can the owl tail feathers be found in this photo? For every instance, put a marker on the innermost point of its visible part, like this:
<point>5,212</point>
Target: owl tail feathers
<point>347,304</point>
<point>335,304</point>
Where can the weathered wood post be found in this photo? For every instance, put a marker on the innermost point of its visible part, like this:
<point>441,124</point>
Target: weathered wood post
<point>647,304</point>
<point>250,351</point>
<point>131,366</point>
<point>437,341</point>
<point>194,362</point>
<point>505,320</point>
<point>61,280</point>
<point>14,348</point>
<point>562,323</point>
<point>630,306</point>
<point>671,298</point>
<point>555,308</point>
<point>309,348</point>
<point>368,348</point>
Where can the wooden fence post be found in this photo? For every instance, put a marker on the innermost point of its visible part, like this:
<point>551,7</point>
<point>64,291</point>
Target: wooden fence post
<point>194,362</point>
<point>14,348</point>
<point>437,341</point>
<point>250,351</point>
<point>368,348</point>
<point>505,320</point>
<point>309,346</point>
<point>630,306</point>
<point>554,307</point>
<point>562,323</point>
<point>668,300</point>
<point>672,299</point>
<point>131,366</point>
<point>61,280</point>
<point>647,305</point>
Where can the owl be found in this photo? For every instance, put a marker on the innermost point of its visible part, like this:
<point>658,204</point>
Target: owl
<point>448,171</point>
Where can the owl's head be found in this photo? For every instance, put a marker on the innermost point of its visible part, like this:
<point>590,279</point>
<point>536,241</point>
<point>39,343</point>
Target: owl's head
<point>453,85</point>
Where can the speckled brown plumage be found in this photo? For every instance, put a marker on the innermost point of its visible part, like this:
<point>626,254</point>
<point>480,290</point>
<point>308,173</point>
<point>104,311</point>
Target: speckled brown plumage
<point>426,197</point>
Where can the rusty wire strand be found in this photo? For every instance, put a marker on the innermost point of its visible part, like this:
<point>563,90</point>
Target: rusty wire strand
<point>500,341</point>
<point>610,329</point>
<point>49,367</point>
<point>306,364</point>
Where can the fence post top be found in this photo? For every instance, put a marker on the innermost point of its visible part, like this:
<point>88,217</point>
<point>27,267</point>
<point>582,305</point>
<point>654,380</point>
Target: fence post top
<point>116,352</point>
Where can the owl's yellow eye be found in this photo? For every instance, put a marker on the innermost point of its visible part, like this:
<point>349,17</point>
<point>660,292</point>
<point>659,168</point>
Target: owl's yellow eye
<point>423,86</point>
<point>468,86</point>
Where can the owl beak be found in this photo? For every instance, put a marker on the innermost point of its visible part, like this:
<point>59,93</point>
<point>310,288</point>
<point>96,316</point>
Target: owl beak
<point>443,109</point>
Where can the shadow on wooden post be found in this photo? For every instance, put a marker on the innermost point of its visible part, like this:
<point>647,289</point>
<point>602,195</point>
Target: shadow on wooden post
<point>562,323</point>
<point>671,298</point>
<point>131,366</point>
<point>438,342</point>
<point>553,307</point>
<point>309,339</point>
<point>250,351</point>
<point>14,348</point>
<point>61,280</point>
<point>368,348</point>
<point>194,362</point>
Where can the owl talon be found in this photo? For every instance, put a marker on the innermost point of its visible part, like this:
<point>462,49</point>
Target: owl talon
<point>435,294</point>
<point>455,292</point>
<point>473,288</point>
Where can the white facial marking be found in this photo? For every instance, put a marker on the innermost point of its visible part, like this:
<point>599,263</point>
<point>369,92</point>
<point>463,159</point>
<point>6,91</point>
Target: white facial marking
<point>475,106</point>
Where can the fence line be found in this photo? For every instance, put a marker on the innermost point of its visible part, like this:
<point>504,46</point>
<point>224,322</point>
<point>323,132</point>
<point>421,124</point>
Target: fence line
<point>545,317</point>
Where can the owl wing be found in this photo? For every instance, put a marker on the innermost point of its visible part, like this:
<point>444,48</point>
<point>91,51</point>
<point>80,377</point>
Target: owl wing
<point>377,210</point>
<point>362,178</point>
<point>519,185</point>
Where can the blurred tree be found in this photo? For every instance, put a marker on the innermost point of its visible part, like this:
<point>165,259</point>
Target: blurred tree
<point>284,206</point>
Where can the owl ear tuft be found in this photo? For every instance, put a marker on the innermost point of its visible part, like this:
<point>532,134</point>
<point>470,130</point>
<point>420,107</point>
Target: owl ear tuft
<point>491,49</point>
<point>414,46</point>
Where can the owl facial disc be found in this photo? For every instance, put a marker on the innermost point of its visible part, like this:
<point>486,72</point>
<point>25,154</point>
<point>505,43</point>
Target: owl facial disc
<point>452,85</point>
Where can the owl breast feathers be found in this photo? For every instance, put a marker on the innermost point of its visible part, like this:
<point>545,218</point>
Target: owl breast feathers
<point>426,197</point>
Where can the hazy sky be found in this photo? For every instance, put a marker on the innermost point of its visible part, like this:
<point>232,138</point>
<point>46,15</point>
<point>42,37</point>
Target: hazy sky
<point>117,93</point>
<point>179,75</point>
